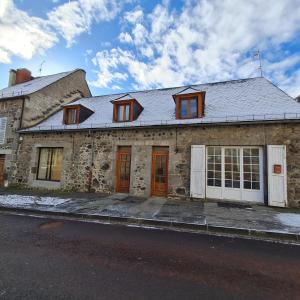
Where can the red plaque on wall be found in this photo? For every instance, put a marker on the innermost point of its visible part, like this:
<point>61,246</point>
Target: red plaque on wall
<point>277,169</point>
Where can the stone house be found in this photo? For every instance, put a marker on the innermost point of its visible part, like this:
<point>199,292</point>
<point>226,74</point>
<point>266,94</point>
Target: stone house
<point>235,140</point>
<point>26,102</point>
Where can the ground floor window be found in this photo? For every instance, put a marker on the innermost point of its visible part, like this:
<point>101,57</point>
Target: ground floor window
<point>50,164</point>
<point>234,173</point>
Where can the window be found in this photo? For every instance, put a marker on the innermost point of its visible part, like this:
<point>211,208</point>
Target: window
<point>3,122</point>
<point>240,167</point>
<point>188,108</point>
<point>71,115</point>
<point>214,160</point>
<point>232,167</point>
<point>49,164</point>
<point>123,112</point>
<point>251,168</point>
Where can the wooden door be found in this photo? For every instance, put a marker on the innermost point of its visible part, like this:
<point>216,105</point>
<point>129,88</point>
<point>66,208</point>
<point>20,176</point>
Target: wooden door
<point>2,163</point>
<point>123,169</point>
<point>159,184</point>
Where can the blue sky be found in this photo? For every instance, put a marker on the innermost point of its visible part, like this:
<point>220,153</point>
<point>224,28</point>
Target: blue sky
<point>138,44</point>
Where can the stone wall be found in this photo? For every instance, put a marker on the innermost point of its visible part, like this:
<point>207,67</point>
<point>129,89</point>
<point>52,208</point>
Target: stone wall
<point>12,109</point>
<point>90,157</point>
<point>50,99</point>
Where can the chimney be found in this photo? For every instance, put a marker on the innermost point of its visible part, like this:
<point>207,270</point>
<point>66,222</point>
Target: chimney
<point>12,77</point>
<point>23,75</point>
<point>19,76</point>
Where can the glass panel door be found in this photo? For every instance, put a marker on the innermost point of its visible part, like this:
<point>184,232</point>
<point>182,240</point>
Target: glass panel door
<point>123,169</point>
<point>160,173</point>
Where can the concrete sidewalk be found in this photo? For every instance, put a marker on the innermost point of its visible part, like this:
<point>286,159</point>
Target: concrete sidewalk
<point>213,216</point>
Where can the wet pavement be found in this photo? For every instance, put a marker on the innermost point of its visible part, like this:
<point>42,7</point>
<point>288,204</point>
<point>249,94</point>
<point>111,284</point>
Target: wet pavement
<point>222,214</point>
<point>58,259</point>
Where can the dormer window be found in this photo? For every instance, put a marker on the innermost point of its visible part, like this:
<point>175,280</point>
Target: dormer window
<point>123,112</point>
<point>126,109</point>
<point>188,107</point>
<point>189,104</point>
<point>72,115</point>
<point>75,114</point>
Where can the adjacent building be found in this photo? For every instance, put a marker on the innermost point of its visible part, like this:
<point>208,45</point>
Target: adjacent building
<point>26,102</point>
<point>235,140</point>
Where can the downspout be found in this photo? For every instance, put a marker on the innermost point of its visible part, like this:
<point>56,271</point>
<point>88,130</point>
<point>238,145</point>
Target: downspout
<point>91,166</point>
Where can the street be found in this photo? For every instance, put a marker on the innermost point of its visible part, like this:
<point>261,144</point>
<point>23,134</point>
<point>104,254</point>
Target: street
<point>59,259</point>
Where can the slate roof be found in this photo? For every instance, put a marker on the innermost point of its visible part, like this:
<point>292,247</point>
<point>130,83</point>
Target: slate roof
<point>253,99</point>
<point>34,85</point>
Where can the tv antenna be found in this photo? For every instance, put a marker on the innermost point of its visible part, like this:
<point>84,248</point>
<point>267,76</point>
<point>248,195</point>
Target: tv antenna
<point>41,67</point>
<point>257,55</point>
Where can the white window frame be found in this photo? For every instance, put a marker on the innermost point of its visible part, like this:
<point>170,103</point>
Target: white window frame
<point>236,194</point>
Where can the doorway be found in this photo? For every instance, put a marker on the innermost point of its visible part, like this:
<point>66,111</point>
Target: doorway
<point>123,169</point>
<point>160,162</point>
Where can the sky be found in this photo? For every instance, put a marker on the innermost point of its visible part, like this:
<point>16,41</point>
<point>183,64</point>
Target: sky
<point>140,44</point>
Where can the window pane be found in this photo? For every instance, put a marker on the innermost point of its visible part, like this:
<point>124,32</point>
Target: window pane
<point>71,116</point>
<point>251,168</point>
<point>127,110</point>
<point>44,164</point>
<point>120,112</point>
<point>213,169</point>
<point>184,108</point>
<point>210,151</point>
<point>57,154</point>
<point>255,186</point>
<point>193,108</point>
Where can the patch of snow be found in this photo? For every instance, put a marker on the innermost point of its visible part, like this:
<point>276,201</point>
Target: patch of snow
<point>21,200</point>
<point>289,219</point>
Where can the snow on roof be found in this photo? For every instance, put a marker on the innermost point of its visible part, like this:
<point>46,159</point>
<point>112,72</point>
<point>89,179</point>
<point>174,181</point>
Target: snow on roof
<point>34,85</point>
<point>187,90</point>
<point>253,99</point>
<point>123,97</point>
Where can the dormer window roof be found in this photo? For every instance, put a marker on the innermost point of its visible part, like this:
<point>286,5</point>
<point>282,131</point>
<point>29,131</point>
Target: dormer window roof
<point>75,114</point>
<point>189,103</point>
<point>126,109</point>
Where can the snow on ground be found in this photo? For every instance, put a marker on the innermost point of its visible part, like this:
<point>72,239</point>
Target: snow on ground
<point>289,219</point>
<point>19,200</point>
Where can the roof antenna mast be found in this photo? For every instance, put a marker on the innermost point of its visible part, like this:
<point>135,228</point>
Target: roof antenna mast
<point>258,55</point>
<point>41,67</point>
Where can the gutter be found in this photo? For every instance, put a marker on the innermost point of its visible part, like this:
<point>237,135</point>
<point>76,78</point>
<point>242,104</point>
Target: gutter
<point>161,126</point>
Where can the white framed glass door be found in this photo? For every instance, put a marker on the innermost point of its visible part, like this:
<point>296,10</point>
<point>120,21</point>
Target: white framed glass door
<point>235,173</point>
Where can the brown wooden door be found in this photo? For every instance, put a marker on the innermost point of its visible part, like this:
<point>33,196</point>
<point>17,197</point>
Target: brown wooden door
<point>2,163</point>
<point>160,161</point>
<point>123,169</point>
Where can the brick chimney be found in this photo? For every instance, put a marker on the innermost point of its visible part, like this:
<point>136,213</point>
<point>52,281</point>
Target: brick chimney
<point>19,76</point>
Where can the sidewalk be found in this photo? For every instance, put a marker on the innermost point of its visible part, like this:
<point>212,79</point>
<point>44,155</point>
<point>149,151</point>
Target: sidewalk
<point>234,218</point>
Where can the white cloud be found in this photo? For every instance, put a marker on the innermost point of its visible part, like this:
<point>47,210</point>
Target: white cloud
<point>21,34</point>
<point>106,60</point>
<point>208,41</point>
<point>124,37</point>
<point>24,36</point>
<point>134,16</point>
<point>73,18</point>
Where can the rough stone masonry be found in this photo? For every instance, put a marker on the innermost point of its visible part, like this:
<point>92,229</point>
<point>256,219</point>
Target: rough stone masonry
<point>89,162</point>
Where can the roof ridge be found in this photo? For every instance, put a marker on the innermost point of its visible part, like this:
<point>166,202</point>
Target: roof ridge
<point>177,87</point>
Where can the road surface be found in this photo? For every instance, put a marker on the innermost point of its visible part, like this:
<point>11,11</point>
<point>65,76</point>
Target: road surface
<point>54,259</point>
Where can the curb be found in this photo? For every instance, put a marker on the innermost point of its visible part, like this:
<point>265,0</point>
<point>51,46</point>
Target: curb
<point>172,225</point>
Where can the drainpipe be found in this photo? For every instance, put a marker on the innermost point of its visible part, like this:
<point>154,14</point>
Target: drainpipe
<point>91,166</point>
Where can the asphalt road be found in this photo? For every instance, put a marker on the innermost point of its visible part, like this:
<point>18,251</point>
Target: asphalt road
<point>52,259</point>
